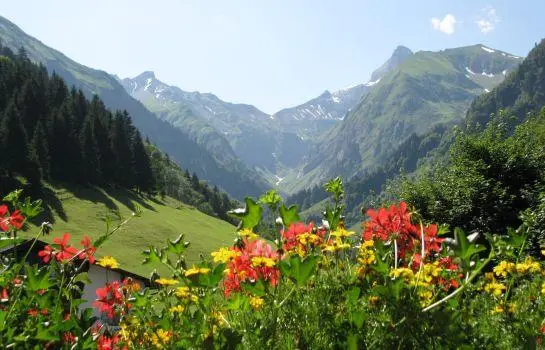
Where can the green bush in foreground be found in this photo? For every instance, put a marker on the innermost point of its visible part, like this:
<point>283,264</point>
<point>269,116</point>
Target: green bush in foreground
<point>401,283</point>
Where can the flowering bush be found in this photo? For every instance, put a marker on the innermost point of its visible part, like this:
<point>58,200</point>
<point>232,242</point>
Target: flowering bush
<point>400,283</point>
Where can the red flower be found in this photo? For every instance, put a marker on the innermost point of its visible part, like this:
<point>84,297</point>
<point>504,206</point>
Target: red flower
<point>109,297</point>
<point>89,250</point>
<point>4,296</point>
<point>432,242</point>
<point>394,224</point>
<point>107,343</point>
<point>46,253</point>
<point>66,252</point>
<point>448,263</point>
<point>16,219</point>
<point>44,312</point>
<point>242,270</point>
<point>291,238</point>
<point>3,221</point>
<point>33,313</point>
<point>68,338</point>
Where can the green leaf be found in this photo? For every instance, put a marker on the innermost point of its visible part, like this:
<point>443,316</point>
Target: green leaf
<point>257,288</point>
<point>299,271</point>
<point>13,197</point>
<point>352,342</point>
<point>30,209</point>
<point>289,215</point>
<point>249,216</point>
<point>38,279</point>
<point>461,239</point>
<point>352,295</point>
<point>177,246</point>
<point>357,318</point>
<point>473,249</point>
<point>82,277</point>
<point>152,255</point>
<point>271,199</point>
<point>9,241</point>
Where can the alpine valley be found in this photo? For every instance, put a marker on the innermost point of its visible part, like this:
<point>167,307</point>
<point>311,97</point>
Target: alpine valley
<point>244,151</point>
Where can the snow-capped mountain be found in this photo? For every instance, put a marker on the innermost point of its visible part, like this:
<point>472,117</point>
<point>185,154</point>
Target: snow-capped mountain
<point>317,115</point>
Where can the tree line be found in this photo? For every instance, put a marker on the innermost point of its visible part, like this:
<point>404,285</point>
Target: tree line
<point>51,132</point>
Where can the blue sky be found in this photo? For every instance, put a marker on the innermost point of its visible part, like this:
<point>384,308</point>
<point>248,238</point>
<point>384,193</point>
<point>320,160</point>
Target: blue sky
<point>272,54</point>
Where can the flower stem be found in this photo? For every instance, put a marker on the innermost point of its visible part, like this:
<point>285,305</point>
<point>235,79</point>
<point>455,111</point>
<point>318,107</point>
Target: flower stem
<point>459,290</point>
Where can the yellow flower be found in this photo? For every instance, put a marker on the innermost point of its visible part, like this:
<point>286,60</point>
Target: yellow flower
<point>367,244</point>
<point>543,288</point>
<point>160,338</point>
<point>498,309</point>
<point>361,271</point>
<point>425,297</point>
<point>494,288</point>
<point>367,257</point>
<point>166,281</point>
<point>543,252</point>
<point>404,272</point>
<point>196,271</point>
<point>256,302</point>
<point>504,268</point>
<point>109,262</point>
<point>262,261</point>
<point>308,238</point>
<point>185,293</point>
<point>341,233</point>
<point>224,255</point>
<point>529,265</point>
<point>182,292</point>
<point>373,299</point>
<point>512,308</point>
<point>247,233</point>
<point>177,308</point>
<point>335,246</point>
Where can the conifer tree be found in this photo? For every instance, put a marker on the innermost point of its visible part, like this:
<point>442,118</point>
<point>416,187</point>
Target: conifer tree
<point>39,151</point>
<point>13,140</point>
<point>143,177</point>
<point>90,154</point>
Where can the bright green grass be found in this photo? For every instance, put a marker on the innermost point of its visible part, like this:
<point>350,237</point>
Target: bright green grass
<point>82,212</point>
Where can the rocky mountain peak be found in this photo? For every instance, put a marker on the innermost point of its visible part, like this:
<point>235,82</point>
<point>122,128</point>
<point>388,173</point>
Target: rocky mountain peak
<point>400,54</point>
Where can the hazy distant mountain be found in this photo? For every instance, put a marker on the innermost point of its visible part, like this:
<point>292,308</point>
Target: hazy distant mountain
<point>424,90</point>
<point>232,175</point>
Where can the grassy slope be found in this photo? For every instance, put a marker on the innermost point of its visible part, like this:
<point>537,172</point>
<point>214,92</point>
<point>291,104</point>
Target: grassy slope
<point>82,212</point>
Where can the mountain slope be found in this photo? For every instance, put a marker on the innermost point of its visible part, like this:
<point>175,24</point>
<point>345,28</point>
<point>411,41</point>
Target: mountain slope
<point>522,91</point>
<point>233,177</point>
<point>81,211</point>
<point>427,89</point>
<point>314,117</point>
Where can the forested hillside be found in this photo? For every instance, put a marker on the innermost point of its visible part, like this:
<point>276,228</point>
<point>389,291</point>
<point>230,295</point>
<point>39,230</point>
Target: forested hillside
<point>232,176</point>
<point>50,132</point>
<point>522,92</point>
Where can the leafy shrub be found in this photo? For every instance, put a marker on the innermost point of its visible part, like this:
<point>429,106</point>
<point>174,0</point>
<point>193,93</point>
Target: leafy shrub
<point>402,283</point>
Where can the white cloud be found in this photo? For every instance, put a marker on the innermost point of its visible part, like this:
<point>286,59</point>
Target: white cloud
<point>488,19</point>
<point>446,25</point>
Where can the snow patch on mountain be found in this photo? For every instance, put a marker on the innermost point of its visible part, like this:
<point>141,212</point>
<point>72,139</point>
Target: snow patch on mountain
<point>470,71</point>
<point>490,75</point>
<point>148,83</point>
<point>487,49</point>
<point>371,83</point>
